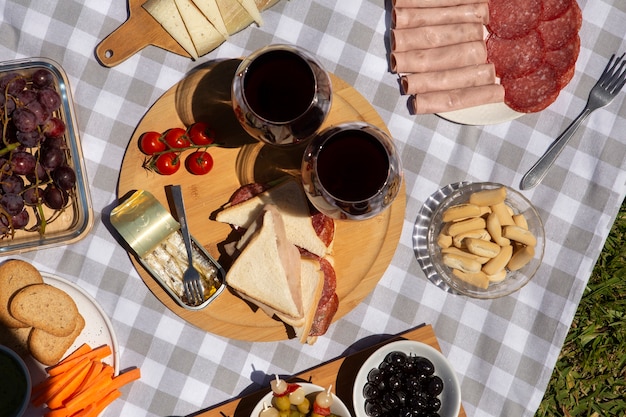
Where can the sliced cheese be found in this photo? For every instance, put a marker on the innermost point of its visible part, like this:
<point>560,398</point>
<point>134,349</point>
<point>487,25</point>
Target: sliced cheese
<point>211,11</point>
<point>253,10</point>
<point>203,34</point>
<point>166,13</point>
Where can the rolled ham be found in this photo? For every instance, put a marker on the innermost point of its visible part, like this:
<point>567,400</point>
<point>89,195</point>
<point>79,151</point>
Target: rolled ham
<point>426,37</point>
<point>462,98</point>
<point>472,76</point>
<point>439,59</point>
<point>433,3</point>
<point>466,13</point>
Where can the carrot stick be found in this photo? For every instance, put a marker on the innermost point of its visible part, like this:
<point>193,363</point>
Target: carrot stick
<point>94,370</point>
<point>103,402</point>
<point>58,412</point>
<point>100,352</point>
<point>90,393</point>
<point>85,411</point>
<point>82,349</point>
<point>126,377</point>
<point>57,399</point>
<point>47,393</point>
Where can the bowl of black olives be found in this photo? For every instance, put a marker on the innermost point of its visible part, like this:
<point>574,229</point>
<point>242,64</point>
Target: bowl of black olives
<point>406,379</point>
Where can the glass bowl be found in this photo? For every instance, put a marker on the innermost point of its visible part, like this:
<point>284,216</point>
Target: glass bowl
<point>75,219</point>
<point>450,396</point>
<point>514,280</point>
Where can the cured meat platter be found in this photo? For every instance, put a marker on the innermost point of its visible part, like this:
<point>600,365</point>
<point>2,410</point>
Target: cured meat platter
<point>339,373</point>
<point>362,250</point>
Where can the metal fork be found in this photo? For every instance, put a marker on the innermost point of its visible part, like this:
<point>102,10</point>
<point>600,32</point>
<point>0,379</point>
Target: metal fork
<point>608,86</point>
<point>194,291</point>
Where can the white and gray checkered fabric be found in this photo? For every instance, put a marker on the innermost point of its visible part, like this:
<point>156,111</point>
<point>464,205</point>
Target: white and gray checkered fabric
<point>503,350</point>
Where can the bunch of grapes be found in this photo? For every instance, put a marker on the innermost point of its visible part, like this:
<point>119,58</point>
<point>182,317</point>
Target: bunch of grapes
<point>165,149</point>
<point>35,170</point>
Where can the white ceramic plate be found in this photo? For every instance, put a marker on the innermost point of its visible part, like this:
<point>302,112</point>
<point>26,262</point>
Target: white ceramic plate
<point>486,114</point>
<point>337,407</point>
<point>98,331</point>
<point>451,395</point>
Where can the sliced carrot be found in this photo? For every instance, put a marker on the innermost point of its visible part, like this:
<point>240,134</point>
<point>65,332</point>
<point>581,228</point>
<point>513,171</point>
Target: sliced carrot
<point>103,402</point>
<point>91,393</point>
<point>94,370</point>
<point>68,389</point>
<point>100,353</point>
<point>47,393</point>
<point>125,378</point>
<point>57,412</point>
<point>81,350</point>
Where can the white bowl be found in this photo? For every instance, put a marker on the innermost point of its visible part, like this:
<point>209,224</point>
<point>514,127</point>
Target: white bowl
<point>337,407</point>
<point>450,397</point>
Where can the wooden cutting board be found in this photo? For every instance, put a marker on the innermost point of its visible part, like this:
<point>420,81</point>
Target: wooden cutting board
<point>141,30</point>
<point>362,250</point>
<point>338,373</point>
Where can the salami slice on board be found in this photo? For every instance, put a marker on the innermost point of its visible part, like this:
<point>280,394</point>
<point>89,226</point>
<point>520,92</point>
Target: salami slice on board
<point>557,32</point>
<point>564,60</point>
<point>533,92</point>
<point>554,8</point>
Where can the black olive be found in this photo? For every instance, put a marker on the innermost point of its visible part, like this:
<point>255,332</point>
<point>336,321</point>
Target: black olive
<point>395,382</point>
<point>434,404</point>
<point>390,401</point>
<point>374,376</point>
<point>434,386</point>
<point>424,366</point>
<point>371,391</point>
<point>373,409</point>
<point>396,357</point>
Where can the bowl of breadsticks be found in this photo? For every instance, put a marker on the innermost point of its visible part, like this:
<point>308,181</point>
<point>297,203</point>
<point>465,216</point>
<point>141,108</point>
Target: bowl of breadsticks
<point>486,240</point>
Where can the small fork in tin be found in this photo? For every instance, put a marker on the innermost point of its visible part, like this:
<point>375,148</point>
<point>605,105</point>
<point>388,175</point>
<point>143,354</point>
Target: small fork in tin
<point>192,282</point>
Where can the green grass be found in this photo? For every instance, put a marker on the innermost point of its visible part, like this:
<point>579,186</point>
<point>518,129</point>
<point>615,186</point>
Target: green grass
<point>589,378</point>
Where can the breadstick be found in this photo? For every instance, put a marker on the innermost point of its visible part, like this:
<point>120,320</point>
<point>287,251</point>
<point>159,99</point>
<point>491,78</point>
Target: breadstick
<point>477,234</point>
<point>461,262</point>
<point>503,213</point>
<point>520,220</point>
<point>488,197</point>
<point>498,262</point>
<point>519,234</point>
<point>478,279</point>
<point>495,230</point>
<point>444,240</point>
<point>498,276</point>
<point>461,211</point>
<point>521,257</point>
<point>482,247</point>
<point>456,251</point>
<point>466,225</point>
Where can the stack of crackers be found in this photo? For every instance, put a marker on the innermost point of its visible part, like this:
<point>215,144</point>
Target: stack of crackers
<point>39,317</point>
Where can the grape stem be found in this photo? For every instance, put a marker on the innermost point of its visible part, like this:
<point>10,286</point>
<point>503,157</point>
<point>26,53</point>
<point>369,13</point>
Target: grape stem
<point>9,148</point>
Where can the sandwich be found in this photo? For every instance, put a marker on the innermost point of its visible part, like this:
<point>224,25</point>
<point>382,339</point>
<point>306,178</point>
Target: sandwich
<point>281,264</point>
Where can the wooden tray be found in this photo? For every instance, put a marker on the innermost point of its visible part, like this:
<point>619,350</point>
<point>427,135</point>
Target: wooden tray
<point>339,372</point>
<point>362,250</point>
<point>141,30</point>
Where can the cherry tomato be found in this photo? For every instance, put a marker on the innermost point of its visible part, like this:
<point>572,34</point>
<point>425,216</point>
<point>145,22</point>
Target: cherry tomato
<point>201,134</point>
<point>167,163</point>
<point>150,143</point>
<point>199,162</point>
<point>176,138</point>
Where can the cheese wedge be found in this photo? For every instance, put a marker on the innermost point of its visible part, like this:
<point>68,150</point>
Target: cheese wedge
<point>166,13</point>
<point>253,10</point>
<point>211,11</point>
<point>203,34</point>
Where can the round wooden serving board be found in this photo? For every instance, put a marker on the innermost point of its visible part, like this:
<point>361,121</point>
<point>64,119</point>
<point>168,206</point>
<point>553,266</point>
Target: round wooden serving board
<point>362,250</point>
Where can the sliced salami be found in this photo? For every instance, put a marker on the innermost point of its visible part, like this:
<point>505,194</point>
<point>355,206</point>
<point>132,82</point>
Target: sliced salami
<point>246,192</point>
<point>515,57</point>
<point>557,32</point>
<point>324,316</point>
<point>533,92</point>
<point>324,227</point>
<point>554,8</point>
<point>564,60</point>
<point>510,19</point>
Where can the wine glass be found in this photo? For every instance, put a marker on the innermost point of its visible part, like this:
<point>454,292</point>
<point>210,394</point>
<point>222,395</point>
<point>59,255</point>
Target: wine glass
<point>281,95</point>
<point>351,171</point>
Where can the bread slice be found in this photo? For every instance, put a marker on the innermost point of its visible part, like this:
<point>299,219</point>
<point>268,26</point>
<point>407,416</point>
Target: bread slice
<point>289,197</point>
<point>49,349</point>
<point>15,275</point>
<point>267,271</point>
<point>45,307</point>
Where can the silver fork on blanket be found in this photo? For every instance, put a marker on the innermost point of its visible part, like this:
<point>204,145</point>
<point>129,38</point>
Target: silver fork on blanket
<point>194,291</point>
<point>608,86</point>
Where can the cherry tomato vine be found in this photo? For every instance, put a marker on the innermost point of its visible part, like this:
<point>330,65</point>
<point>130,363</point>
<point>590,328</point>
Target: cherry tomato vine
<point>165,149</point>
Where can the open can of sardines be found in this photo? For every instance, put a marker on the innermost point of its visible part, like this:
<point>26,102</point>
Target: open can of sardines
<point>155,238</point>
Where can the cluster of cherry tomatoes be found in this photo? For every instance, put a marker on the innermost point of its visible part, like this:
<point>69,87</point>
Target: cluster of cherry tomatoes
<point>165,149</point>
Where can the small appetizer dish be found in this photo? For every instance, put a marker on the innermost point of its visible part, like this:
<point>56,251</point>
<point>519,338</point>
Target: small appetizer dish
<point>486,240</point>
<point>406,378</point>
<point>299,399</point>
<point>15,384</point>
